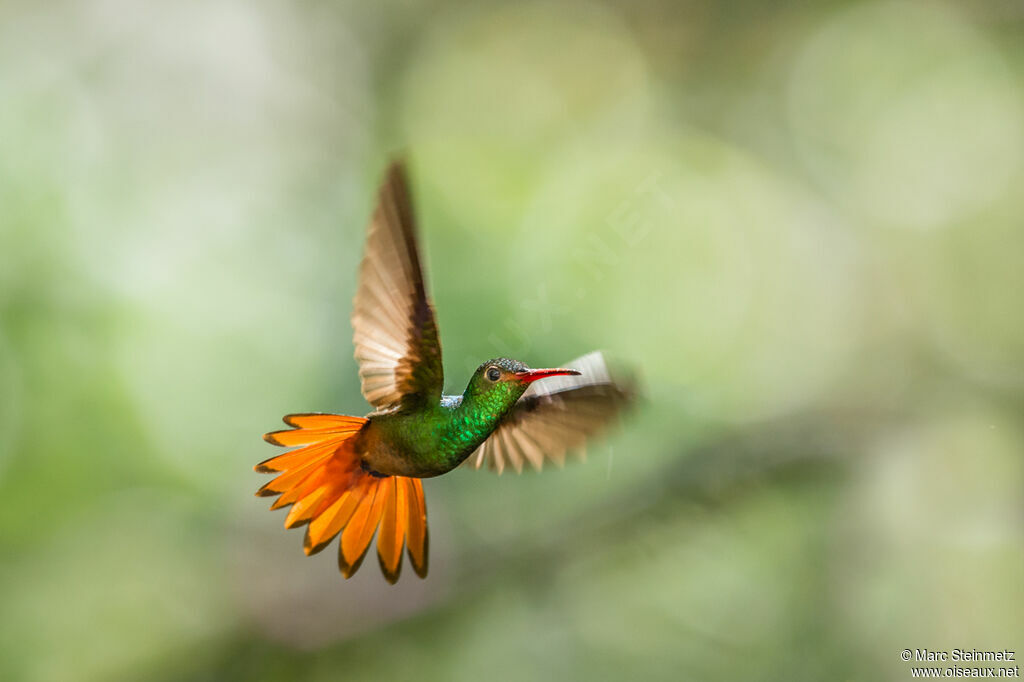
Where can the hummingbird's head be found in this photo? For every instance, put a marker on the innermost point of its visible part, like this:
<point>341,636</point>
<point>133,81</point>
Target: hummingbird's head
<point>503,380</point>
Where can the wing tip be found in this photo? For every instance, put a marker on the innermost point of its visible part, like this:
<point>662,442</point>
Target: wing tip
<point>397,165</point>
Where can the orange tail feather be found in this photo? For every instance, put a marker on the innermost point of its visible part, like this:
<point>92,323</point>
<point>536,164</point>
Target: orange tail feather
<point>330,492</point>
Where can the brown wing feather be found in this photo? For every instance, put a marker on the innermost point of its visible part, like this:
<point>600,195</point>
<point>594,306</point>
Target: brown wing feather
<point>555,416</point>
<point>395,335</point>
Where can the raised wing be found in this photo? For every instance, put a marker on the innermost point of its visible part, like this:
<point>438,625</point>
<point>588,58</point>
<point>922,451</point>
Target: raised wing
<point>395,335</point>
<point>555,416</point>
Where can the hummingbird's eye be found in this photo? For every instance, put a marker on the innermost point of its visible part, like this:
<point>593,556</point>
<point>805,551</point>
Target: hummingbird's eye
<point>493,373</point>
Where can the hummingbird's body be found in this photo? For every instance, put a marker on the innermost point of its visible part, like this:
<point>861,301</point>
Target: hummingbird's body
<point>353,474</point>
<point>434,439</point>
<point>425,443</point>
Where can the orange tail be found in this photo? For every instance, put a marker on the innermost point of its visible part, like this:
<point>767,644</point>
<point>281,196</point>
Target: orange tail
<point>330,491</point>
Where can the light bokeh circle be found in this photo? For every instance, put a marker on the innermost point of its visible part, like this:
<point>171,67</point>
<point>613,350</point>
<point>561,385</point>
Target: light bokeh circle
<point>905,114</point>
<point>731,287</point>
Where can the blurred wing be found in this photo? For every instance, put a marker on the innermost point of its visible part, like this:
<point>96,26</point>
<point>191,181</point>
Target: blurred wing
<point>554,416</point>
<point>395,335</point>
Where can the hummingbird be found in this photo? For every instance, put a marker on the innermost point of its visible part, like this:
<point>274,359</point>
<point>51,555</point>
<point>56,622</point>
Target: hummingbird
<point>356,476</point>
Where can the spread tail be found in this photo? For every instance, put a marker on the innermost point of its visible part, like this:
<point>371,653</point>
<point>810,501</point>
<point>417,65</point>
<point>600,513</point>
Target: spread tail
<point>330,493</point>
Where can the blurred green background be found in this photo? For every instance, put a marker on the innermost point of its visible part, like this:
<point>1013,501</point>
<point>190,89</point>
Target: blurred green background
<point>801,222</point>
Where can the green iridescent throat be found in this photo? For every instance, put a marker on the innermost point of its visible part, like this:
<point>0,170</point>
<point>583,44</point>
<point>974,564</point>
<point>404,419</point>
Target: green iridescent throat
<point>470,422</point>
